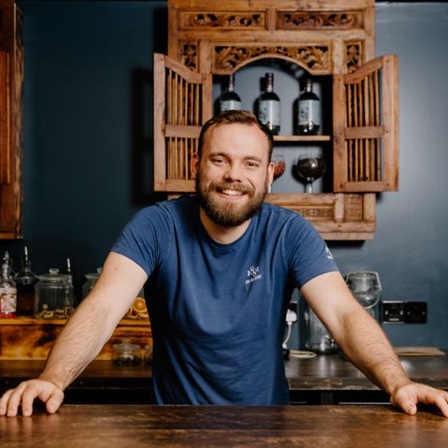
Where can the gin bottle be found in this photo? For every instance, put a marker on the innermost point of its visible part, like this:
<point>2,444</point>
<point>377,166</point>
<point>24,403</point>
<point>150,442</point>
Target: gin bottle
<point>269,106</point>
<point>229,99</point>
<point>309,111</point>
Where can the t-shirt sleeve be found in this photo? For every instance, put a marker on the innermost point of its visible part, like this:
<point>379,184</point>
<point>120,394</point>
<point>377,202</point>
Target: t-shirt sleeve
<point>140,239</point>
<point>309,256</point>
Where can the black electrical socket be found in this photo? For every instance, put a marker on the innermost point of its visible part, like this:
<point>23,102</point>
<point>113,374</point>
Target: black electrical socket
<point>293,306</point>
<point>393,312</point>
<point>415,313</point>
<point>396,312</point>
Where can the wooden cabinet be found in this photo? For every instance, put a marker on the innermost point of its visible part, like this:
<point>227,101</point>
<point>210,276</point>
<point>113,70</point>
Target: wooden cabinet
<point>332,39</point>
<point>11,82</point>
<point>32,338</point>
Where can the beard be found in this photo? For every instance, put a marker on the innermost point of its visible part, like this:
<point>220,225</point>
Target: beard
<point>228,214</point>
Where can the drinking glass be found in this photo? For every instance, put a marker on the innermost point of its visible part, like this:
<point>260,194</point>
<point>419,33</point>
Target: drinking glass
<point>279,166</point>
<point>310,168</point>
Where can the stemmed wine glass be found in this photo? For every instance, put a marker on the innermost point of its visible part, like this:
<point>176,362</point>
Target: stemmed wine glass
<point>310,168</point>
<point>279,166</point>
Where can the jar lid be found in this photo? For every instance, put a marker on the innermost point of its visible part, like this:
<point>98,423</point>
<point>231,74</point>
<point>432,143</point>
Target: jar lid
<point>126,346</point>
<point>54,276</point>
<point>94,275</point>
<point>363,280</point>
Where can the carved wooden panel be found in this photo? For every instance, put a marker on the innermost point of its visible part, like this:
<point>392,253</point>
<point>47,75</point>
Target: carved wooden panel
<point>201,19</point>
<point>11,119</point>
<point>243,31</point>
<point>315,59</point>
<point>312,20</point>
<point>354,55</point>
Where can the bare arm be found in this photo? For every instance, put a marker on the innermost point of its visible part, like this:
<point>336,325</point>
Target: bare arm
<point>83,336</point>
<point>364,343</point>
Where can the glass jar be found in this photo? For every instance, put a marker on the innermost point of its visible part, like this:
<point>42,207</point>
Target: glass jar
<point>126,353</point>
<point>90,281</point>
<point>317,337</point>
<point>147,356</point>
<point>366,287</point>
<point>54,296</point>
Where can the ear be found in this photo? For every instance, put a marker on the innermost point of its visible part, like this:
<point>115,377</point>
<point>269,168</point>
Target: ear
<point>194,164</point>
<point>270,176</point>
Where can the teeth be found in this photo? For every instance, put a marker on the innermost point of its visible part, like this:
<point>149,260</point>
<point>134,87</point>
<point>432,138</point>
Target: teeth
<point>232,192</point>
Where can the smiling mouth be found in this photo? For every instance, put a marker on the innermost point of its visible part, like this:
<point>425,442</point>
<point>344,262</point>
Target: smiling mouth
<point>232,193</point>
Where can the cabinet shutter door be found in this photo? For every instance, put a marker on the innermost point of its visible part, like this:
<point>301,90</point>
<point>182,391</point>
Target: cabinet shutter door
<point>179,111</point>
<point>5,167</point>
<point>365,111</point>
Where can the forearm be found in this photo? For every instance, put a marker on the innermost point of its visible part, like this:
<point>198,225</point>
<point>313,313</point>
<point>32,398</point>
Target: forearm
<point>355,331</point>
<point>81,340</point>
<point>366,346</point>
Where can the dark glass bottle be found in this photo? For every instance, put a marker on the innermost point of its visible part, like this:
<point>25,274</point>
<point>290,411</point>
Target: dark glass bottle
<point>8,294</point>
<point>229,99</point>
<point>309,111</point>
<point>25,281</point>
<point>269,106</point>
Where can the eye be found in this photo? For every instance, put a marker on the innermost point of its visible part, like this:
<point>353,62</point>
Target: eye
<point>219,161</point>
<point>252,164</point>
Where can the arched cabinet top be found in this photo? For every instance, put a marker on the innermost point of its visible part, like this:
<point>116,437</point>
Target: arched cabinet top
<point>314,59</point>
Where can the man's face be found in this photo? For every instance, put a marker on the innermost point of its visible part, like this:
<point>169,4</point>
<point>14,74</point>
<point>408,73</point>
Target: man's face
<point>233,174</point>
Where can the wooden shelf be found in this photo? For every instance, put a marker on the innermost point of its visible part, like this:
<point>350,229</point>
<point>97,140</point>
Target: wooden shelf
<point>30,338</point>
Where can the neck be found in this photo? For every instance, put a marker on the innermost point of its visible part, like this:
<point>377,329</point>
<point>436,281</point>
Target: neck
<point>222,234</point>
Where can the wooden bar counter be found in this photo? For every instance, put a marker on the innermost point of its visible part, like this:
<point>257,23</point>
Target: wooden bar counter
<point>324,379</point>
<point>224,426</point>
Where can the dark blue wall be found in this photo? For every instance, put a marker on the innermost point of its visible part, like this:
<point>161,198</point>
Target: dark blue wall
<point>88,138</point>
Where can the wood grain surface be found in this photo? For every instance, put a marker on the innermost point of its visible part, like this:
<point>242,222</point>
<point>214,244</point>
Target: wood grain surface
<point>224,426</point>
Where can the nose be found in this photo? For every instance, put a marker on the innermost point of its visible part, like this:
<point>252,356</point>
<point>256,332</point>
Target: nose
<point>233,172</point>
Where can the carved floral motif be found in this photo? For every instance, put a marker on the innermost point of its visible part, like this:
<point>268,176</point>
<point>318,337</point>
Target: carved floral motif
<point>189,55</point>
<point>315,58</point>
<point>222,20</point>
<point>353,55</point>
<point>315,213</point>
<point>313,20</point>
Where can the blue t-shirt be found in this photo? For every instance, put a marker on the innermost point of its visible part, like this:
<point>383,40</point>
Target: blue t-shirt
<point>217,311</point>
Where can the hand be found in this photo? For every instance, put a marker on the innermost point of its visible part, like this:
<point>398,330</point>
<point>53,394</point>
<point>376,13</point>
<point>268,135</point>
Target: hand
<point>407,397</point>
<point>25,394</point>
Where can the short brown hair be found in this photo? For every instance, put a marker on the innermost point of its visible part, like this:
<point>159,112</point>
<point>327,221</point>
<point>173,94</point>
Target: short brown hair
<point>236,116</point>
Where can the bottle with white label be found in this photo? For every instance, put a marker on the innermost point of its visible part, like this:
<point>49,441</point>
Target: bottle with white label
<point>229,99</point>
<point>8,294</point>
<point>269,106</point>
<point>309,111</point>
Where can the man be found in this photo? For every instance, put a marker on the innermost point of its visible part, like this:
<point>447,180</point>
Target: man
<point>219,270</point>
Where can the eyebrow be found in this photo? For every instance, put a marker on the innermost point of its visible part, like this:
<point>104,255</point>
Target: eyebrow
<point>225,155</point>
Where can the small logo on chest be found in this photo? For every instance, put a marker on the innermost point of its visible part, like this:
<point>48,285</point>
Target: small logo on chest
<point>254,274</point>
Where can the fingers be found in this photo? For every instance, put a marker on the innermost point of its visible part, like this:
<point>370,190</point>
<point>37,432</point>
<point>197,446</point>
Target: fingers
<point>409,396</point>
<point>10,401</point>
<point>4,402</point>
<point>440,399</point>
<point>25,394</point>
<point>54,401</point>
